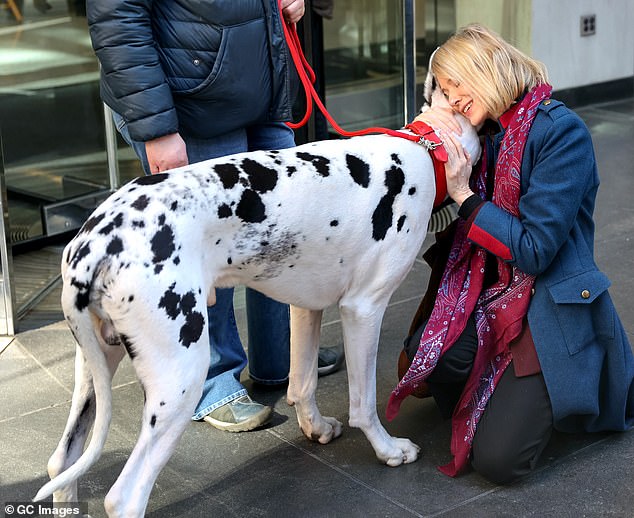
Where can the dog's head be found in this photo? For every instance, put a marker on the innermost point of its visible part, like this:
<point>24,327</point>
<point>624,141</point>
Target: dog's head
<point>430,84</point>
<point>434,97</point>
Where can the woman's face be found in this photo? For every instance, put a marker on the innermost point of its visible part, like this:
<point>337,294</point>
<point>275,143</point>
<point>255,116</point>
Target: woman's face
<point>460,97</point>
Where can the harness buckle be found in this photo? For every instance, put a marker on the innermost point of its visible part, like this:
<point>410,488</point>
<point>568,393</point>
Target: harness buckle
<point>429,145</point>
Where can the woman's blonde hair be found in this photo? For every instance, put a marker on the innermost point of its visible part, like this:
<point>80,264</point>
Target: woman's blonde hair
<point>498,72</point>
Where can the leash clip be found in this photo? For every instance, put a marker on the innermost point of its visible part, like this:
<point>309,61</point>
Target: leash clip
<point>429,145</point>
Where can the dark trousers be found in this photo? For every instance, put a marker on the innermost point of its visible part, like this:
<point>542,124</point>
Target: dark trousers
<point>517,422</point>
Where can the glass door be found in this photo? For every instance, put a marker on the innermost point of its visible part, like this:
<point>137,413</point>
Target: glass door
<point>375,53</point>
<point>53,136</point>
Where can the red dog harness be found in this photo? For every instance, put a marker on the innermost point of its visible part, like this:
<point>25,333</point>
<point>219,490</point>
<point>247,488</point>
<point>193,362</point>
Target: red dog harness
<point>431,141</point>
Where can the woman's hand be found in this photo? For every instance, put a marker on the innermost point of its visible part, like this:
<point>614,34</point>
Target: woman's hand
<point>440,119</point>
<point>293,10</point>
<point>166,153</point>
<point>457,169</point>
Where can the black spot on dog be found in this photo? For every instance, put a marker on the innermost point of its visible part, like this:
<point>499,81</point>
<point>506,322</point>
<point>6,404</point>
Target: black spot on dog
<point>261,178</point>
<point>228,174</point>
<point>162,244</point>
<point>170,302</point>
<point>383,214</point>
<point>224,211</point>
<point>229,260</point>
<point>83,293</point>
<point>359,170</point>
<point>412,191</point>
<point>91,223</point>
<point>158,268</point>
<point>130,298</point>
<point>396,159</point>
<point>334,223</point>
<point>321,163</point>
<point>115,223</point>
<point>127,343</point>
<point>140,203</point>
<point>161,220</point>
<point>153,420</point>
<point>192,329</point>
<point>401,221</point>
<point>138,223</point>
<point>176,260</point>
<point>80,253</point>
<point>250,208</point>
<point>174,305</point>
<point>81,428</point>
<point>162,403</point>
<point>174,205</point>
<point>152,179</point>
<point>290,170</point>
<point>115,247</point>
<point>188,302</point>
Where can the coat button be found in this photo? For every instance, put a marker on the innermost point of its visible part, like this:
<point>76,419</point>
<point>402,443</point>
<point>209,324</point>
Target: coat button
<point>585,294</point>
<point>532,291</point>
<point>546,103</point>
<point>197,62</point>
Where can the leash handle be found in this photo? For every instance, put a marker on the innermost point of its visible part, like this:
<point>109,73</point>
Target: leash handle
<point>307,77</point>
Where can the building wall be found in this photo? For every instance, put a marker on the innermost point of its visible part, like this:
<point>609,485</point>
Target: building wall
<point>573,60</point>
<point>550,32</point>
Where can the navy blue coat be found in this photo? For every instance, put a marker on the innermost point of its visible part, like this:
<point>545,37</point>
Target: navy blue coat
<point>584,353</point>
<point>201,68</point>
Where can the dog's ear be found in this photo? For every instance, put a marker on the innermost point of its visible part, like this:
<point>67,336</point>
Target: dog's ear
<point>430,83</point>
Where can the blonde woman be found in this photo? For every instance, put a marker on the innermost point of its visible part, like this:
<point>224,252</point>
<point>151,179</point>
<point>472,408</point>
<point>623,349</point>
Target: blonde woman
<point>517,334</point>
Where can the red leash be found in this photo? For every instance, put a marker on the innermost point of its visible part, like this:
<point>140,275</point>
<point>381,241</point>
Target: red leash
<point>422,133</point>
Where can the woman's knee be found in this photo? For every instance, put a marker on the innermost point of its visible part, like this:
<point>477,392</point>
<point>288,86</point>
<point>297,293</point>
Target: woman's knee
<point>498,466</point>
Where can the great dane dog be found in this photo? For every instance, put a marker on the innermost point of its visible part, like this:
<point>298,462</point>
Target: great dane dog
<point>331,222</point>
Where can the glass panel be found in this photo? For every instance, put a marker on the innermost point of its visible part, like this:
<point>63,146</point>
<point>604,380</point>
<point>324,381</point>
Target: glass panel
<point>52,119</point>
<point>435,21</point>
<point>52,127</point>
<point>363,56</point>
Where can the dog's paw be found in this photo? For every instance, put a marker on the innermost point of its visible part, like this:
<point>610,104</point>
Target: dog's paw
<point>328,429</point>
<point>405,452</point>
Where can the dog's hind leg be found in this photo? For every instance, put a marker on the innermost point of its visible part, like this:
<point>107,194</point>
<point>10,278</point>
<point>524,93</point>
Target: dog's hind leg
<point>80,420</point>
<point>361,321</point>
<point>302,379</point>
<point>172,378</point>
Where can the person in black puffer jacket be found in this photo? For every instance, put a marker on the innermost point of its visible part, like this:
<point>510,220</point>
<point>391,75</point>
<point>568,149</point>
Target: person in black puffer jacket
<point>188,81</point>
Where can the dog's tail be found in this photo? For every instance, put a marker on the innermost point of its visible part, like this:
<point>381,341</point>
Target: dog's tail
<point>96,361</point>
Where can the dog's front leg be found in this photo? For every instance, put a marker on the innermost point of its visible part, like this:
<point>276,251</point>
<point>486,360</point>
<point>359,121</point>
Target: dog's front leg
<point>302,379</point>
<point>361,321</point>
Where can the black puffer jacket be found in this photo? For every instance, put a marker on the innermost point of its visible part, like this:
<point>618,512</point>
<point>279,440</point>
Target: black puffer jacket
<point>200,68</point>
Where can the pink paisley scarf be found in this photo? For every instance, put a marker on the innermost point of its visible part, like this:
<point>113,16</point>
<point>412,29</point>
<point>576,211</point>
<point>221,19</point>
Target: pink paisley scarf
<point>499,309</point>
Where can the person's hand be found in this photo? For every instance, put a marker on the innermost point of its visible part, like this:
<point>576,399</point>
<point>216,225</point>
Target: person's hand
<point>166,153</point>
<point>440,119</point>
<point>293,10</point>
<point>457,169</point>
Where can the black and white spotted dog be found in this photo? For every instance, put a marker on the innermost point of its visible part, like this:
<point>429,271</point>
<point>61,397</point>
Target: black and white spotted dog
<point>332,222</point>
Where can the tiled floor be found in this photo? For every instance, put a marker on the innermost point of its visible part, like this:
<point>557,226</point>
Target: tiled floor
<point>277,472</point>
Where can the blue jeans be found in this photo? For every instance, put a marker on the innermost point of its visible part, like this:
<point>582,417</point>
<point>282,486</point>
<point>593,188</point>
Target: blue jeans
<point>267,320</point>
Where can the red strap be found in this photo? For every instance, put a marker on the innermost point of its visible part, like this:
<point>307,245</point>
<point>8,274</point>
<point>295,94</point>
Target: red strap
<point>434,145</point>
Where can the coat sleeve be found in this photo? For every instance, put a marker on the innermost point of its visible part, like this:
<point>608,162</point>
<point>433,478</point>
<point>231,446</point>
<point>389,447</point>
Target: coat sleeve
<point>132,77</point>
<point>562,182</point>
